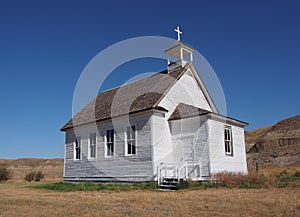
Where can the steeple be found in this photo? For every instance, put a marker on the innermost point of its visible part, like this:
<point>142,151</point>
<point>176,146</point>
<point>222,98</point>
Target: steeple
<point>179,53</point>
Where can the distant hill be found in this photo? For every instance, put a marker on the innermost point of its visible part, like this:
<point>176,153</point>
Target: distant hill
<point>276,145</point>
<point>53,168</point>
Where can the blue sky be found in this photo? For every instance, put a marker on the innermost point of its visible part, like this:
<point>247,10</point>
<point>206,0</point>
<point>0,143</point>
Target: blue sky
<point>253,46</point>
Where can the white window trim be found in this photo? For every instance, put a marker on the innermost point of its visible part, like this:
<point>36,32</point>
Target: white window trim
<point>231,141</point>
<point>125,143</point>
<point>74,148</point>
<point>89,148</point>
<point>105,145</point>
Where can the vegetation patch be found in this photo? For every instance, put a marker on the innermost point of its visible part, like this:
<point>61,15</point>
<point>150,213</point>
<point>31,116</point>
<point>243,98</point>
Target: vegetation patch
<point>90,186</point>
<point>5,174</point>
<point>220,180</point>
<point>240,180</point>
<point>34,176</point>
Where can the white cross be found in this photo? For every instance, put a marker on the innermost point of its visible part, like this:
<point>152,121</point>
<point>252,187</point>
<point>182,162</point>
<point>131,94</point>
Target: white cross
<point>178,33</point>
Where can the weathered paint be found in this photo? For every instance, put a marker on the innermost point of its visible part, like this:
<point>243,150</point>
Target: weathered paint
<point>136,168</point>
<point>187,91</point>
<point>219,161</point>
<point>158,141</point>
<point>162,142</point>
<point>189,137</point>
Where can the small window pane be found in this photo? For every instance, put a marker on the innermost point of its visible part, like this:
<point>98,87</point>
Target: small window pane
<point>109,143</point>
<point>77,148</point>
<point>228,141</point>
<point>131,140</point>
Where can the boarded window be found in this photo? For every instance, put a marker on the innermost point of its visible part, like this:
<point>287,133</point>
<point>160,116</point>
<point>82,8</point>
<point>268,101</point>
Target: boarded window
<point>77,148</point>
<point>130,141</point>
<point>92,145</point>
<point>228,141</point>
<point>110,135</point>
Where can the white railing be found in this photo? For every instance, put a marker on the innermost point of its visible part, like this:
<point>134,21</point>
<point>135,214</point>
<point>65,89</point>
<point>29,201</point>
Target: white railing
<point>166,170</point>
<point>189,170</point>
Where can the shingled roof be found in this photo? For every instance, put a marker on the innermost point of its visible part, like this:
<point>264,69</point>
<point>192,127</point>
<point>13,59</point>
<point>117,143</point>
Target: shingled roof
<point>134,97</point>
<point>185,111</point>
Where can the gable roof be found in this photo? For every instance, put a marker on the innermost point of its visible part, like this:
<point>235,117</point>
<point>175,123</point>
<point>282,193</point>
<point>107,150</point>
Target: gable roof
<point>185,111</point>
<point>134,97</point>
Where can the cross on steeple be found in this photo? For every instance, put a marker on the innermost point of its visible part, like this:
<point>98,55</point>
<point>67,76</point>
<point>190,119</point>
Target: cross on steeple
<point>178,33</point>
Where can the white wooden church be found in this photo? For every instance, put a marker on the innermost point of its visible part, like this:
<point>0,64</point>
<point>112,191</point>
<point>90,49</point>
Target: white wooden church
<point>165,125</point>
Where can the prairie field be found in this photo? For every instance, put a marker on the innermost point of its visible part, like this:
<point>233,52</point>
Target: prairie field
<point>16,199</point>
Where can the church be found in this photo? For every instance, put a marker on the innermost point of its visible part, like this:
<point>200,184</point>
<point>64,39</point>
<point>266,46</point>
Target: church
<point>162,126</point>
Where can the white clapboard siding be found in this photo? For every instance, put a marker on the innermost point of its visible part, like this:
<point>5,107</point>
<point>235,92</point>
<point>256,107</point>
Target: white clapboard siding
<point>219,161</point>
<point>137,168</point>
<point>187,91</point>
<point>190,142</point>
<point>161,141</point>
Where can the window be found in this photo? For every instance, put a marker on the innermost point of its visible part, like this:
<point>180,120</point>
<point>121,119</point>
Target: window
<point>92,145</point>
<point>228,141</point>
<point>77,148</point>
<point>130,144</point>
<point>109,143</point>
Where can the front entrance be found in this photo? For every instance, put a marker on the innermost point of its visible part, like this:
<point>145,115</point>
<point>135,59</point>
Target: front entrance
<point>189,164</point>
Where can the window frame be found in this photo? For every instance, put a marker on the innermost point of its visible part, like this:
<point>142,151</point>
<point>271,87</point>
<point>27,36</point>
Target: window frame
<point>107,143</point>
<point>228,141</point>
<point>77,146</point>
<point>92,145</point>
<point>130,140</point>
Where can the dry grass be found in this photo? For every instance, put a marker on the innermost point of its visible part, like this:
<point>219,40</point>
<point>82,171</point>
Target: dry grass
<point>271,171</point>
<point>17,200</point>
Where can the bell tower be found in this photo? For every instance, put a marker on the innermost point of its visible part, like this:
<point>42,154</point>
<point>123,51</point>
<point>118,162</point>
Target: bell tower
<point>179,54</point>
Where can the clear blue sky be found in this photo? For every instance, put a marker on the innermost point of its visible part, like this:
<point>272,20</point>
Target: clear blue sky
<point>253,47</point>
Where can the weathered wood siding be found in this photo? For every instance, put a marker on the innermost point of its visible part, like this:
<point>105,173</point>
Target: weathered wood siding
<point>162,142</point>
<point>219,160</point>
<point>190,143</point>
<point>119,168</point>
<point>187,91</point>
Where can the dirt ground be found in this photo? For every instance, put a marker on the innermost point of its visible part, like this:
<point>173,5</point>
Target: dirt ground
<point>18,200</point>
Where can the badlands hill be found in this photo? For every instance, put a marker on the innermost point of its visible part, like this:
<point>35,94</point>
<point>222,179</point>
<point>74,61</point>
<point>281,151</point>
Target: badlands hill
<point>276,145</point>
<point>52,168</point>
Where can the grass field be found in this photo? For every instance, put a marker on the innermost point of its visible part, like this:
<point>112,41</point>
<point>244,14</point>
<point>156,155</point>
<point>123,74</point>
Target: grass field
<point>19,198</point>
<point>16,199</point>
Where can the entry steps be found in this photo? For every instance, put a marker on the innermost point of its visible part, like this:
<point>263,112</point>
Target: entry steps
<point>169,183</point>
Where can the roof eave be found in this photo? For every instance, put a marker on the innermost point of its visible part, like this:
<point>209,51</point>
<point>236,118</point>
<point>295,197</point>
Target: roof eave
<point>228,119</point>
<point>157,108</point>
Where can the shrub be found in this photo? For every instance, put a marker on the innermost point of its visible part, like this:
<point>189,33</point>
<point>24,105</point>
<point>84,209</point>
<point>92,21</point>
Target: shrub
<point>38,176</point>
<point>34,176</point>
<point>5,174</point>
<point>297,174</point>
<point>151,185</point>
<point>240,180</point>
<point>183,184</point>
<point>29,176</point>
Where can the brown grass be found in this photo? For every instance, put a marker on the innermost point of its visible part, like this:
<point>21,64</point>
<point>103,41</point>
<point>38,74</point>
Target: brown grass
<point>276,171</point>
<point>17,200</point>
